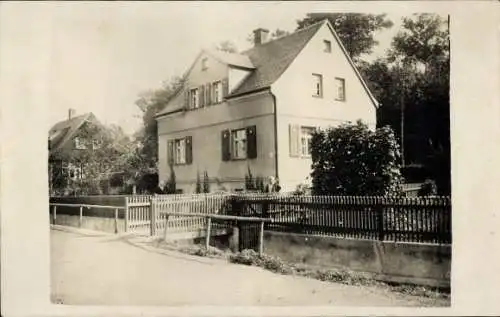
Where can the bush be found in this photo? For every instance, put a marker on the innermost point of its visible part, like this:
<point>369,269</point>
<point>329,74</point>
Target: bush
<point>352,160</point>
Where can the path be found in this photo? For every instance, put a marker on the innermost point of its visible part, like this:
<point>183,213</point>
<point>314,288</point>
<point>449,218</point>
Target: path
<point>107,270</point>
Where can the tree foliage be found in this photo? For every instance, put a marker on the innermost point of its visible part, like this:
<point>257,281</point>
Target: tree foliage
<point>353,160</point>
<point>413,80</point>
<point>150,102</point>
<point>355,30</point>
<point>227,46</point>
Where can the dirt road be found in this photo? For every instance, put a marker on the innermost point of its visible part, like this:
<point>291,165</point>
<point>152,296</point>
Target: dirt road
<point>108,270</point>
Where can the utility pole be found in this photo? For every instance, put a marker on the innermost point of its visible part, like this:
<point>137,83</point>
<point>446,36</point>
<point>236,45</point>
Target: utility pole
<point>402,119</point>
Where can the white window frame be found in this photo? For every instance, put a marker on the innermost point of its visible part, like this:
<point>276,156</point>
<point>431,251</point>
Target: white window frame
<point>204,64</point>
<point>305,140</point>
<point>239,144</point>
<point>194,98</point>
<point>328,46</point>
<point>217,92</point>
<point>96,144</point>
<point>79,145</point>
<point>317,85</point>
<point>76,170</point>
<point>340,89</point>
<point>180,151</point>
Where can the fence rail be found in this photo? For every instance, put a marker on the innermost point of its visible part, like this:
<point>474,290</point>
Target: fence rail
<point>422,219</point>
<point>410,219</point>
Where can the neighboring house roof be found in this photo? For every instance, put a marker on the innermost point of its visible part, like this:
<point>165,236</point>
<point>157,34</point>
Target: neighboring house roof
<point>63,131</point>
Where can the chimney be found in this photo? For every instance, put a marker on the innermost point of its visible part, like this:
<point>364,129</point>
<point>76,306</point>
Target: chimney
<point>71,113</point>
<point>260,36</point>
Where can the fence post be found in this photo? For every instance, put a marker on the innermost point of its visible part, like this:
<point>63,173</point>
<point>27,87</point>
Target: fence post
<point>152,216</point>
<point>54,215</point>
<point>126,214</point>
<point>116,220</point>
<point>166,226</point>
<point>261,238</point>
<point>380,227</point>
<point>80,220</point>
<point>209,225</point>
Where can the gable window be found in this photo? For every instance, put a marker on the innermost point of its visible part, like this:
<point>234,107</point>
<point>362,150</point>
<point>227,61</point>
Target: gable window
<point>327,46</point>
<point>217,92</point>
<point>340,89</point>
<point>239,144</point>
<point>300,140</point>
<point>305,140</point>
<point>79,144</point>
<point>317,85</point>
<point>204,64</point>
<point>194,101</point>
<point>180,151</point>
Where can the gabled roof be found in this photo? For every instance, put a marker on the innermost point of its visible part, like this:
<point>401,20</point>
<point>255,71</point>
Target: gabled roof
<point>63,131</point>
<point>271,59</point>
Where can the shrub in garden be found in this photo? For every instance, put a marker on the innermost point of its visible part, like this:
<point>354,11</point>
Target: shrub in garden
<point>198,183</point>
<point>206,183</point>
<point>352,160</point>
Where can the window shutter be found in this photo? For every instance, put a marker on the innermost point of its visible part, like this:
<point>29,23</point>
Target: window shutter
<point>170,152</point>
<point>294,140</point>
<point>189,150</point>
<point>225,87</point>
<point>202,95</point>
<point>209,94</point>
<point>226,144</point>
<point>252,142</point>
<point>207,97</point>
<point>186,99</point>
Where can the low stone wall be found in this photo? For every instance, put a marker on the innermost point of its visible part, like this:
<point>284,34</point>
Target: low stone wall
<point>92,223</point>
<point>414,263</point>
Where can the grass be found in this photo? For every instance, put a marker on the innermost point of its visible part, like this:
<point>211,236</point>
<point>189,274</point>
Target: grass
<point>277,265</point>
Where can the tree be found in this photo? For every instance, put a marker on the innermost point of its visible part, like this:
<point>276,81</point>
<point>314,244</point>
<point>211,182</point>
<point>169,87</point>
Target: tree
<point>412,86</point>
<point>355,30</point>
<point>198,183</point>
<point>150,102</point>
<point>227,46</point>
<point>352,160</point>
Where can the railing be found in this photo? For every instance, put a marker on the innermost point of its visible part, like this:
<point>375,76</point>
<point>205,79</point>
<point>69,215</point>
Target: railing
<point>87,206</point>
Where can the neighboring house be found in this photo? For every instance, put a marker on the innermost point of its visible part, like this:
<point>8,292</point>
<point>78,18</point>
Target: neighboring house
<point>68,140</point>
<point>256,109</point>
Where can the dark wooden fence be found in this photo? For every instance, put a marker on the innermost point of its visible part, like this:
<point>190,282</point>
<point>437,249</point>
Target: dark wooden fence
<point>418,219</point>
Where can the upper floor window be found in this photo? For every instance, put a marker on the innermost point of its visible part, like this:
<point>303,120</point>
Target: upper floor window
<point>217,92</point>
<point>317,85</point>
<point>327,46</point>
<point>204,64</point>
<point>96,144</point>
<point>80,144</point>
<point>194,100</point>
<point>340,89</point>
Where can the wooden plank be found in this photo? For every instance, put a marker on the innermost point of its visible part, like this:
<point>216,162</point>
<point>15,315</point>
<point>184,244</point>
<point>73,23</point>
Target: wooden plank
<point>209,227</point>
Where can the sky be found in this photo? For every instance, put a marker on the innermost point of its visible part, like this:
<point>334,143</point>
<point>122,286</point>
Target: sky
<point>105,54</point>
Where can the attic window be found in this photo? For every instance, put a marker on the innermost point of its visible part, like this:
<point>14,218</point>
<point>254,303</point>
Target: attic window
<point>339,89</point>
<point>328,46</point>
<point>204,64</point>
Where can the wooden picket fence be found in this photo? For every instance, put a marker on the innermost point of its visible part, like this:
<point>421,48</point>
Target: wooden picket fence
<point>415,219</point>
